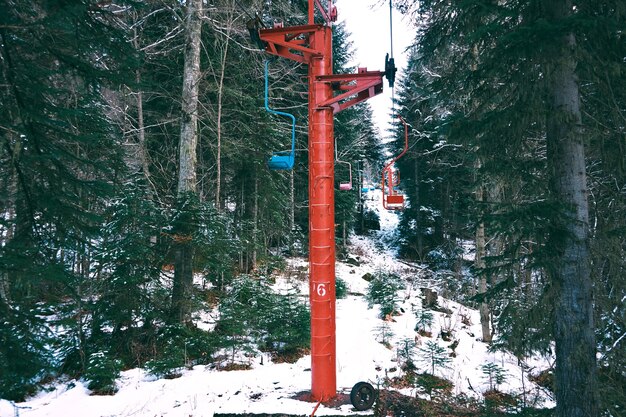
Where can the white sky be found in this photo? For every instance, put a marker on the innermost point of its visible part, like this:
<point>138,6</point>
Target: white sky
<point>369,25</point>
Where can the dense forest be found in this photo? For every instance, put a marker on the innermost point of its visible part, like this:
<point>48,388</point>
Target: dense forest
<point>134,148</point>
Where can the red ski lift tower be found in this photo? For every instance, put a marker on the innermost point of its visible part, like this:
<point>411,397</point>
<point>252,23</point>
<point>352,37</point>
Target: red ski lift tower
<point>329,93</point>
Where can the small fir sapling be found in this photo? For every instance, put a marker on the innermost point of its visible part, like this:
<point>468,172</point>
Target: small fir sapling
<point>424,321</point>
<point>493,374</point>
<point>405,352</point>
<point>101,371</point>
<point>384,333</point>
<point>341,288</point>
<point>382,290</point>
<point>252,314</point>
<point>171,355</point>
<point>434,356</point>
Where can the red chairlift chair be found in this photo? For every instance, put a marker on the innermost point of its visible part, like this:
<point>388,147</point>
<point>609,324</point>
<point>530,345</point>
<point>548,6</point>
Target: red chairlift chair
<point>392,200</point>
<point>344,186</point>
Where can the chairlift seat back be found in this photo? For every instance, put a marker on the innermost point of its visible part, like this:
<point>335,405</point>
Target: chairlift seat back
<point>345,186</point>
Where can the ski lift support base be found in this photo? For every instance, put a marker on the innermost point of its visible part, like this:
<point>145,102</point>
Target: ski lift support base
<point>312,45</point>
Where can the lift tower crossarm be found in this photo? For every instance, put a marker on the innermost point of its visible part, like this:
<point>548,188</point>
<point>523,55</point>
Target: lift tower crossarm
<point>292,42</point>
<point>356,88</point>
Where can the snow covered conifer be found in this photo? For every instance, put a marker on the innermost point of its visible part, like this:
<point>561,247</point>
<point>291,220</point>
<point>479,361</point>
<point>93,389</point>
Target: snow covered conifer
<point>424,319</point>
<point>494,374</point>
<point>434,356</point>
<point>102,370</point>
<point>383,290</point>
<point>406,352</point>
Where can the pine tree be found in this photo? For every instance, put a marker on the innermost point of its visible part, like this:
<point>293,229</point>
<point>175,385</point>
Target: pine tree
<point>129,259</point>
<point>383,290</point>
<point>434,356</point>
<point>494,375</point>
<point>487,69</point>
<point>102,371</point>
<point>575,373</point>
<point>406,352</point>
<point>424,320</point>
<point>57,60</point>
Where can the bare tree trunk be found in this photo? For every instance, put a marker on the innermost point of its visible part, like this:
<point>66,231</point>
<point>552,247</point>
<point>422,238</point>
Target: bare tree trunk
<point>191,78</point>
<point>5,282</point>
<point>418,217</point>
<point>255,215</point>
<point>361,208</point>
<point>187,189</point>
<point>479,263</point>
<point>15,223</point>
<point>141,134</point>
<point>143,151</point>
<point>220,93</point>
<point>575,374</point>
<point>292,211</point>
<point>241,214</point>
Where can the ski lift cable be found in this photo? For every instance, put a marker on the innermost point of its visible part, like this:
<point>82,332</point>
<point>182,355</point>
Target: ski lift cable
<point>391,26</point>
<point>393,88</point>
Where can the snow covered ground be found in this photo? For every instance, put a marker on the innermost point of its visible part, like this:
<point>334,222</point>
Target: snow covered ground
<point>271,388</point>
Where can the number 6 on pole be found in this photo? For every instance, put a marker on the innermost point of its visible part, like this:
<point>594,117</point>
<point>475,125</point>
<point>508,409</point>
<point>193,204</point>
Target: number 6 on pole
<point>321,290</point>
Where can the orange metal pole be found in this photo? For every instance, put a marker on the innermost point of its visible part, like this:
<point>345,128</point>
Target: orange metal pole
<point>311,12</point>
<point>322,223</point>
<point>312,45</point>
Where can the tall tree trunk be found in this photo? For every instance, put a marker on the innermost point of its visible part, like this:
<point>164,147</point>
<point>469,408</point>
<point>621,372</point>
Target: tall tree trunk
<point>479,263</point>
<point>9,209</point>
<point>575,374</point>
<point>417,205</point>
<point>255,220</point>
<point>361,202</point>
<point>220,94</point>
<point>141,134</point>
<point>187,190</point>
<point>292,211</point>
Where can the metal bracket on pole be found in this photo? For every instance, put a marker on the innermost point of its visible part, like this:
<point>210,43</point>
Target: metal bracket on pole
<point>355,88</point>
<point>291,42</point>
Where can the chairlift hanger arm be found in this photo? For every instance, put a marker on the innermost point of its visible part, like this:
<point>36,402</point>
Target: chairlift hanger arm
<point>284,159</point>
<point>406,143</point>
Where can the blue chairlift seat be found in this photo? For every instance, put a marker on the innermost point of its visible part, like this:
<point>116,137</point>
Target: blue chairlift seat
<point>278,162</point>
<point>281,160</point>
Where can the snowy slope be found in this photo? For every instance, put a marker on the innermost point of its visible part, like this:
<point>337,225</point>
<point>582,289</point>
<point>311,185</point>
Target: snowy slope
<point>271,388</point>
